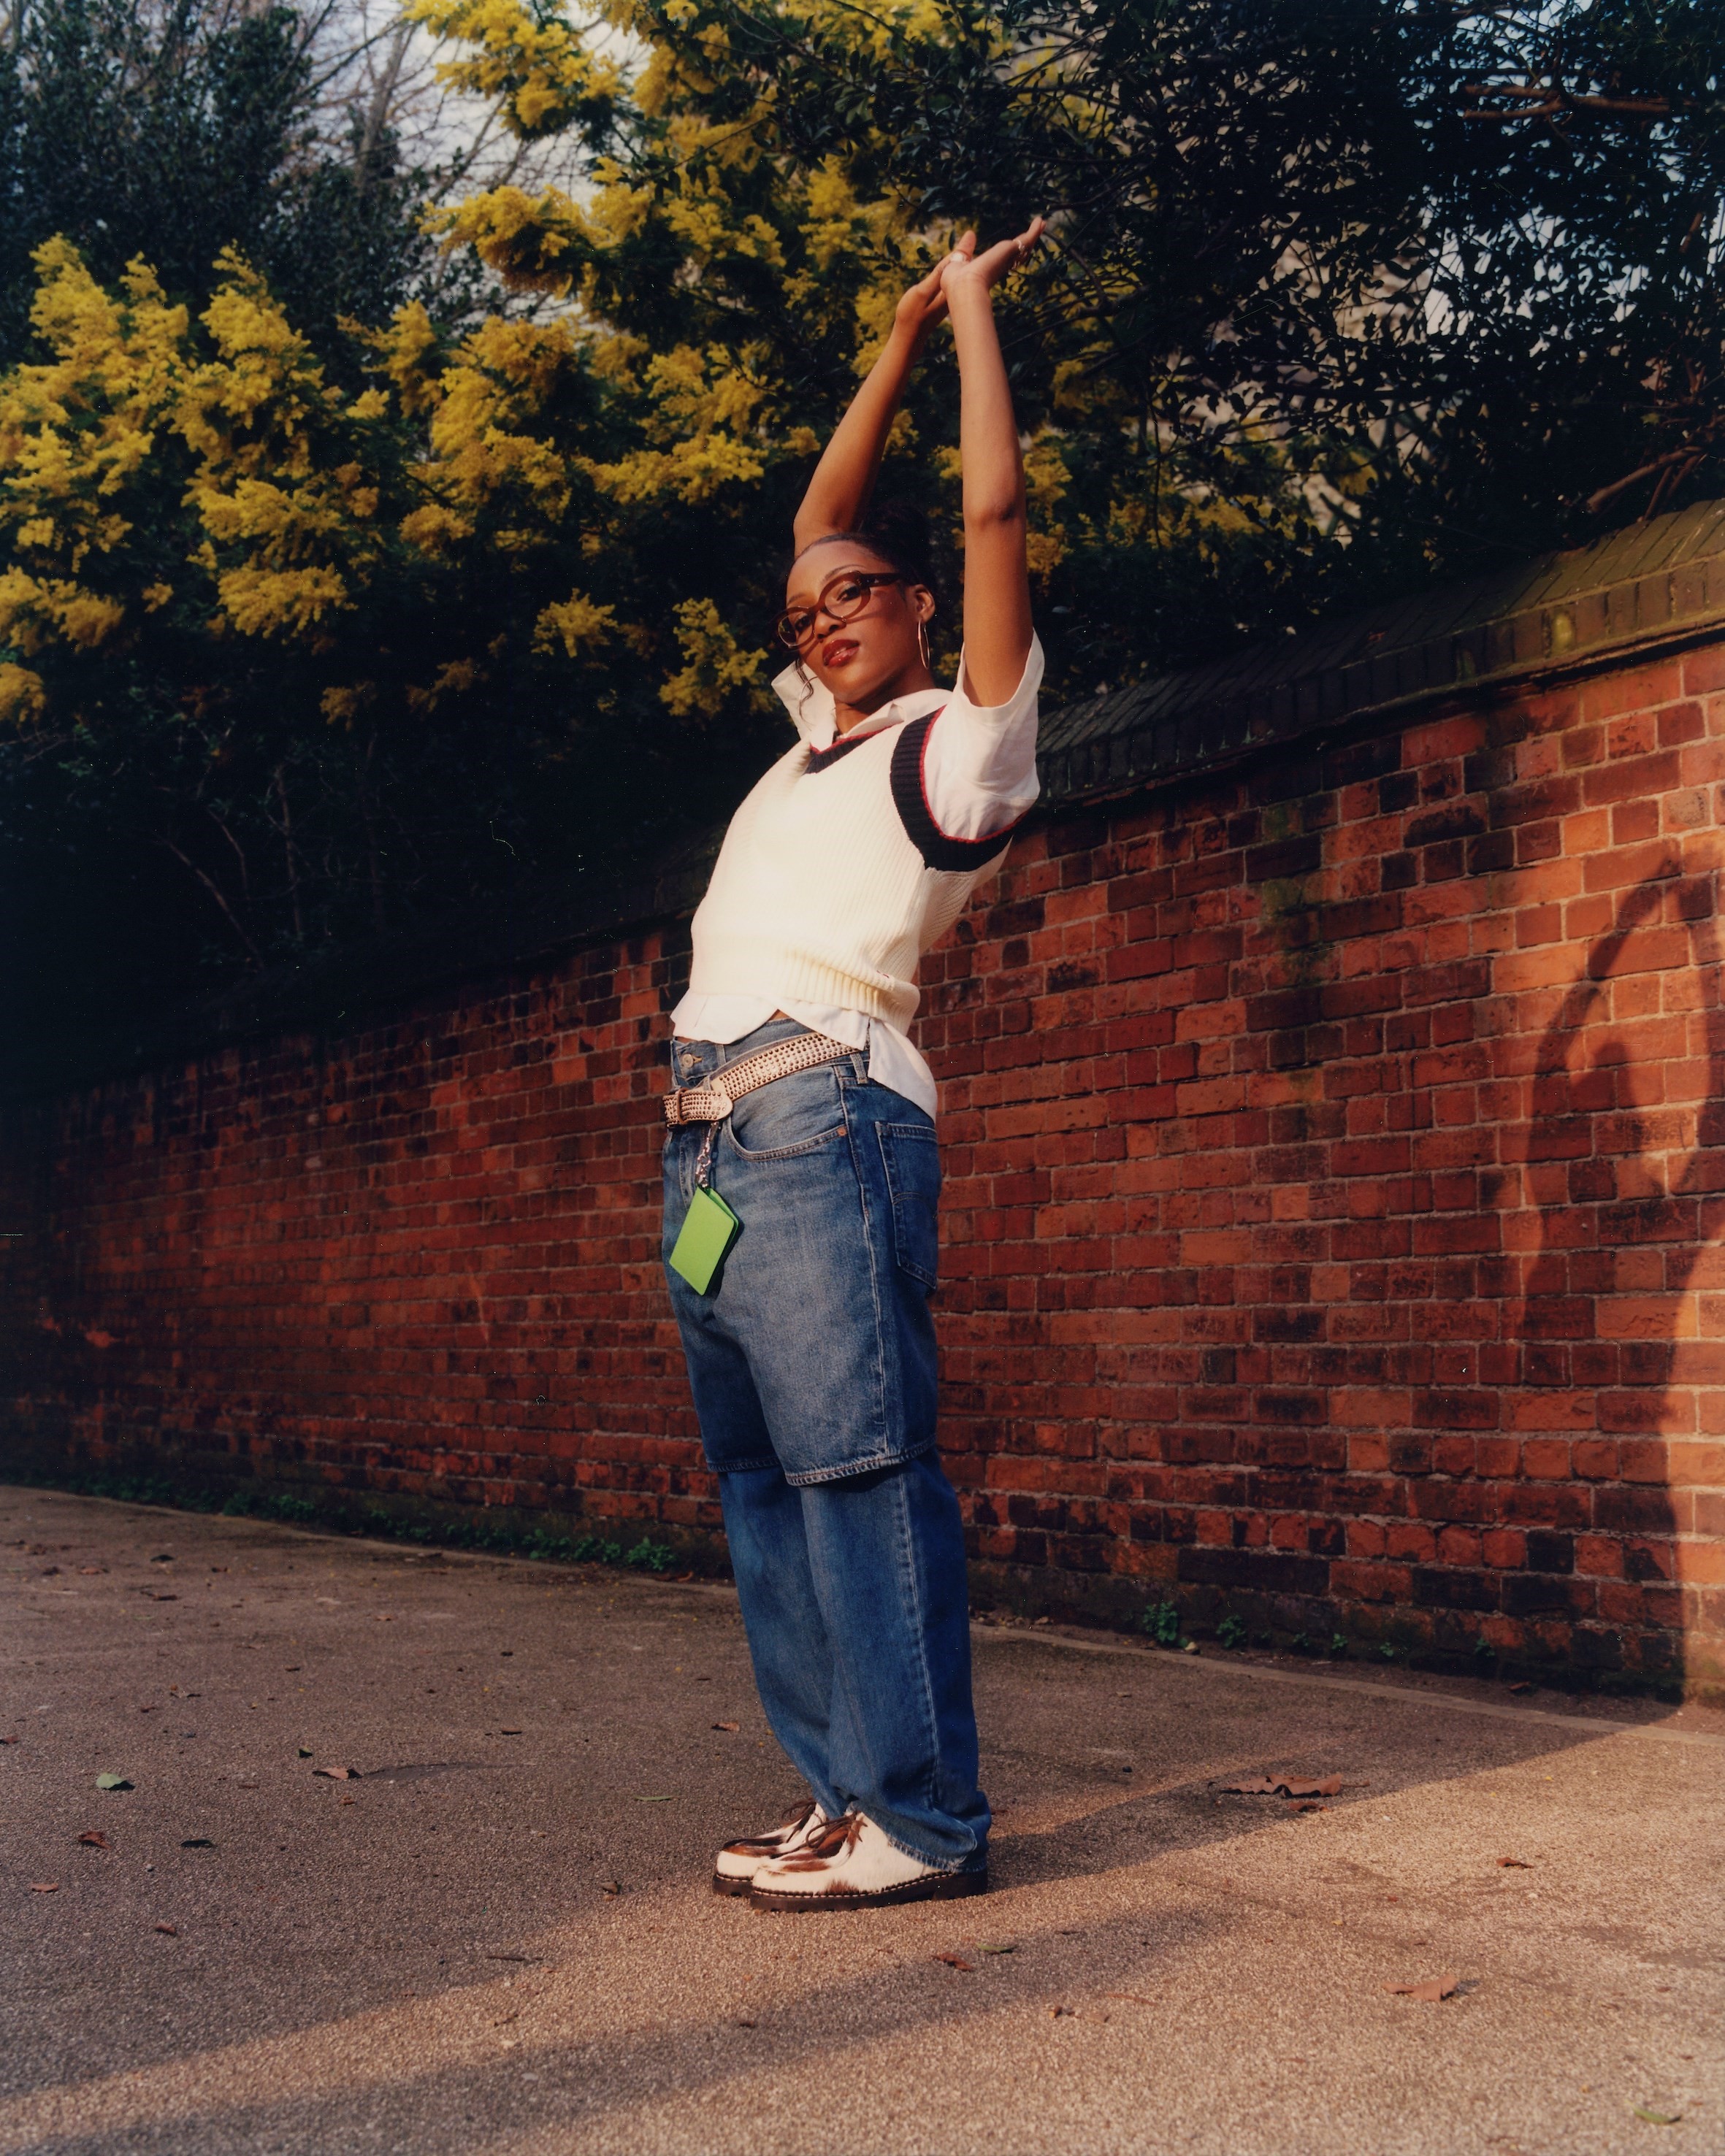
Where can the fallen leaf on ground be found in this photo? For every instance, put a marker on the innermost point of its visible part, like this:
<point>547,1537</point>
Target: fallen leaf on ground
<point>1055,2012</point>
<point>169,1931</point>
<point>612,1886</point>
<point>335,1774</point>
<point>112,1781</point>
<point>1283,1785</point>
<point>1513,1864</point>
<point>88,1568</point>
<point>744,2022</point>
<point>509,1733</point>
<point>728,1725</point>
<point>957,1961</point>
<point>1433,1988</point>
<point>1520,1687</point>
<point>198,1841</point>
<point>1136,1998</point>
<point>1655,2117</point>
<point>94,1838</point>
<point>305,1752</point>
<point>1006,1947</point>
<point>44,1886</point>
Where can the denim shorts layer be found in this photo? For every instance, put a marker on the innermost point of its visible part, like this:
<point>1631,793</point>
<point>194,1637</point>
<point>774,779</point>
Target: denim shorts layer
<point>815,1352</point>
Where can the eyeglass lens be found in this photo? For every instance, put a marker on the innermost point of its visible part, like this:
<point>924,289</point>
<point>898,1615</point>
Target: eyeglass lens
<point>840,600</point>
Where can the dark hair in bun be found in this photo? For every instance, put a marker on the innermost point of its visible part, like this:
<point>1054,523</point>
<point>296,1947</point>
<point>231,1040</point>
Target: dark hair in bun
<point>897,534</point>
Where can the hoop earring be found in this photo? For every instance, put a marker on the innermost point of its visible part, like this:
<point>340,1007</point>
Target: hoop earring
<point>922,642</point>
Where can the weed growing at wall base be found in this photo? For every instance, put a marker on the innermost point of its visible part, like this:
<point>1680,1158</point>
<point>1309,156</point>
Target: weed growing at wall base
<point>1161,1620</point>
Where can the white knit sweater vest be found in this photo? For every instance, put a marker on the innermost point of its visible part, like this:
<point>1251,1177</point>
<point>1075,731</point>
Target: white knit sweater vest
<point>834,879</point>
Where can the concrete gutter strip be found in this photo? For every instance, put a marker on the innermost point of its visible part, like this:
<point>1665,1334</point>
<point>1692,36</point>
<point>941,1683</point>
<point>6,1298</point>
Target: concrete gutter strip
<point>1210,1667</point>
<point>1081,1643</point>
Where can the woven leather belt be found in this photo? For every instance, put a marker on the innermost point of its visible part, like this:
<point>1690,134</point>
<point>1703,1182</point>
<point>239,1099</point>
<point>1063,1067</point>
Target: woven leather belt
<point>712,1101</point>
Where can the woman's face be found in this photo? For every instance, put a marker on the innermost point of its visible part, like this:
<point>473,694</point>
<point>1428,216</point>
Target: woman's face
<point>864,660</point>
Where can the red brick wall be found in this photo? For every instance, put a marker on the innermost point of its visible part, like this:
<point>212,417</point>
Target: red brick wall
<point>1336,1160</point>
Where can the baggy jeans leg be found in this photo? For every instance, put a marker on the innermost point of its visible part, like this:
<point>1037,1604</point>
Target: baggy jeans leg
<point>812,1363</point>
<point>782,1615</point>
<point>888,1564</point>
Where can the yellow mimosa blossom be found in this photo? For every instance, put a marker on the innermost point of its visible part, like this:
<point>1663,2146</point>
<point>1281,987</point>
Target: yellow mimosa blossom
<point>22,693</point>
<point>717,662</point>
<point>536,71</point>
<point>574,624</point>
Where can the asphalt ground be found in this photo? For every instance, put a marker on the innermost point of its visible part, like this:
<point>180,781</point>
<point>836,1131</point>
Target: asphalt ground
<point>501,1935</point>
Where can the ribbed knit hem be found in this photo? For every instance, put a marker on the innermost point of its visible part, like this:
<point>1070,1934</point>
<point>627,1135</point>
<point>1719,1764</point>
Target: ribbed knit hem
<point>743,967</point>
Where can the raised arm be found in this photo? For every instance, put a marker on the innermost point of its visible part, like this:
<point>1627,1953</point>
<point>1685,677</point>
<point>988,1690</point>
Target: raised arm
<point>998,629</point>
<point>839,492</point>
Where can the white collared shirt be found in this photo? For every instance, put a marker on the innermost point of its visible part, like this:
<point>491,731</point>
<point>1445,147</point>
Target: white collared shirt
<point>979,775</point>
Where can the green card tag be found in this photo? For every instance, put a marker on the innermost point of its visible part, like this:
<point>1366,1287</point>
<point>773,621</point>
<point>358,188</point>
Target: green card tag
<point>709,1229</point>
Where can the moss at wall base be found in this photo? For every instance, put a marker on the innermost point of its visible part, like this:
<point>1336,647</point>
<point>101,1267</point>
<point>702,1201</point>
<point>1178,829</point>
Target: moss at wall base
<point>587,1538</point>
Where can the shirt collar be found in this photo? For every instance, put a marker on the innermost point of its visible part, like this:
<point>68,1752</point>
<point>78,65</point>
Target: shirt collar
<point>810,704</point>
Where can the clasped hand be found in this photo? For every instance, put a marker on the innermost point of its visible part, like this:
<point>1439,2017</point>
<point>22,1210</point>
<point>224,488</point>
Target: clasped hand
<point>927,302</point>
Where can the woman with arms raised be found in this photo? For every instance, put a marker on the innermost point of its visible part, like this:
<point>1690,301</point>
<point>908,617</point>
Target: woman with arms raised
<point>801,1111</point>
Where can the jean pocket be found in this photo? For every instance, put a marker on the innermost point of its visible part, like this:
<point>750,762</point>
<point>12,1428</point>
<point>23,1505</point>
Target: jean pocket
<point>792,1115</point>
<point>912,1155</point>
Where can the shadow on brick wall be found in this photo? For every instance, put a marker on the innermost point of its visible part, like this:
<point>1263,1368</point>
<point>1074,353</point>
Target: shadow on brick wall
<point>1623,1187</point>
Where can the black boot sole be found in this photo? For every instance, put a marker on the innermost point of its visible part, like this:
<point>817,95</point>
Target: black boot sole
<point>937,1886</point>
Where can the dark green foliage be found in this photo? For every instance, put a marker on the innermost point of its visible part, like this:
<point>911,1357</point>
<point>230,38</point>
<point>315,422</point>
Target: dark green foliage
<point>1231,1631</point>
<point>1341,295</point>
<point>1460,265</point>
<point>173,132</point>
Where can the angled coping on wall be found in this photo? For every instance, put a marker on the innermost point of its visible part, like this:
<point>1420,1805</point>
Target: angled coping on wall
<point>1654,586</point>
<point>1639,590</point>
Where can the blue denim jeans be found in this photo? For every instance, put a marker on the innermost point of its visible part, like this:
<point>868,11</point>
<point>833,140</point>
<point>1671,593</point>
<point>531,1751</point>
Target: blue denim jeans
<point>812,1366</point>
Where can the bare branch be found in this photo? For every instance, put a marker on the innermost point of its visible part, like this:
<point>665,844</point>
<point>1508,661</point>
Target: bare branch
<point>216,892</point>
<point>1597,500</point>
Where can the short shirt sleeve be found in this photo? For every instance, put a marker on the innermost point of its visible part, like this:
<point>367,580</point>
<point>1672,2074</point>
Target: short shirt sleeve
<point>979,772</point>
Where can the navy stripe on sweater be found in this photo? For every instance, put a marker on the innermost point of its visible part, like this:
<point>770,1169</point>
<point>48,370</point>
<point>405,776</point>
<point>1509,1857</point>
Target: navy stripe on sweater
<point>937,848</point>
